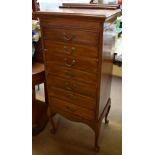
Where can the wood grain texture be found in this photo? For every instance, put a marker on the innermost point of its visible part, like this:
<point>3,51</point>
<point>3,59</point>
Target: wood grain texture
<point>71,49</point>
<point>78,81</point>
<point>70,36</point>
<point>39,116</point>
<point>65,23</point>
<point>70,73</point>
<point>61,105</point>
<point>74,98</point>
<point>74,86</point>
<point>80,63</point>
<point>90,6</point>
<point>97,15</point>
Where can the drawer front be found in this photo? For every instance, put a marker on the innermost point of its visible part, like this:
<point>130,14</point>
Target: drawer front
<point>73,98</point>
<point>71,36</point>
<point>74,86</point>
<point>70,23</point>
<point>59,105</point>
<point>71,49</point>
<point>80,63</point>
<point>70,74</point>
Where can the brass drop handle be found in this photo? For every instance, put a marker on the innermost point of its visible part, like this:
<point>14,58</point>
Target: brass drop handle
<point>67,37</point>
<point>45,50</point>
<point>69,86</point>
<point>71,109</point>
<point>73,49</point>
<point>67,51</point>
<point>72,63</point>
<point>72,96</point>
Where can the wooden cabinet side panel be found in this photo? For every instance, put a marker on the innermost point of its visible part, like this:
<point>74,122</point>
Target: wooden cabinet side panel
<point>106,72</point>
<point>105,87</point>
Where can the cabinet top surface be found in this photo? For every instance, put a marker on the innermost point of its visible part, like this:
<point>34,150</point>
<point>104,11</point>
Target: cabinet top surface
<point>80,12</point>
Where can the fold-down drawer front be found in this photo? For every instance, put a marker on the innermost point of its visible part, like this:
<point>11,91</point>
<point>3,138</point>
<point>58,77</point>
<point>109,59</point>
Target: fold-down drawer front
<point>86,64</point>
<point>71,49</point>
<point>70,74</point>
<point>59,105</point>
<point>74,98</point>
<point>74,86</point>
<point>71,36</point>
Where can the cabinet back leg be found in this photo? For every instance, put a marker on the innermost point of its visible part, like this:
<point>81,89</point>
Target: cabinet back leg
<point>106,116</point>
<point>53,130</point>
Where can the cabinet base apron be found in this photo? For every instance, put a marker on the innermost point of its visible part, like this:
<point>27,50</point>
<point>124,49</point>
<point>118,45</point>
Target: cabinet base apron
<point>95,126</point>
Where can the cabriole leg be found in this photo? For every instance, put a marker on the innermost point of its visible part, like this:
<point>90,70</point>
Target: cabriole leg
<point>97,132</point>
<point>106,116</point>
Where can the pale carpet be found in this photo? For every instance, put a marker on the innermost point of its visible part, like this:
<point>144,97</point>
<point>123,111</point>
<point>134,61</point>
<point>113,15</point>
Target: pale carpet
<point>74,138</point>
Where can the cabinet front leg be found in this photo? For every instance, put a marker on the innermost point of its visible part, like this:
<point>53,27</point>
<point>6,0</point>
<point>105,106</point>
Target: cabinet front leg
<point>97,133</point>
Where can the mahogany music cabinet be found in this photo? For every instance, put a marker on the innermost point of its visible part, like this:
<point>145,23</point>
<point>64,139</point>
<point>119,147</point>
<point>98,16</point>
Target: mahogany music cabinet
<point>78,61</point>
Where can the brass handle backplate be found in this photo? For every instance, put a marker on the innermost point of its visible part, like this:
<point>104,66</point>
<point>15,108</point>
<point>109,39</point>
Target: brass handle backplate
<point>69,64</point>
<point>44,49</point>
<point>71,109</point>
<point>70,86</point>
<point>72,96</point>
<point>67,51</point>
<point>68,37</point>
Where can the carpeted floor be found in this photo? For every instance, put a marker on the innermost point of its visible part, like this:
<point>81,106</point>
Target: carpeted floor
<point>74,138</point>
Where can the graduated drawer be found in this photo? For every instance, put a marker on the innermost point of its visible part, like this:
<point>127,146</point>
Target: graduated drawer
<point>71,36</point>
<point>70,74</point>
<point>70,23</point>
<point>71,49</point>
<point>63,106</point>
<point>81,63</point>
<point>71,85</point>
<point>74,98</point>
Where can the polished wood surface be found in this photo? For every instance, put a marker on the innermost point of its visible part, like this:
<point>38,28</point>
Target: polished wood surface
<point>68,35</point>
<point>78,64</point>
<point>39,108</point>
<point>71,74</point>
<point>61,105</point>
<point>84,64</point>
<point>71,49</point>
<point>65,23</point>
<point>74,86</point>
<point>90,6</point>
<point>72,97</point>
<point>79,14</point>
<point>35,7</point>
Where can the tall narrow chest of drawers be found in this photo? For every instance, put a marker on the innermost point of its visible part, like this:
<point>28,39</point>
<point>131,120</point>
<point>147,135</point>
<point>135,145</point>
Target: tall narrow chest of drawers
<point>77,46</point>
